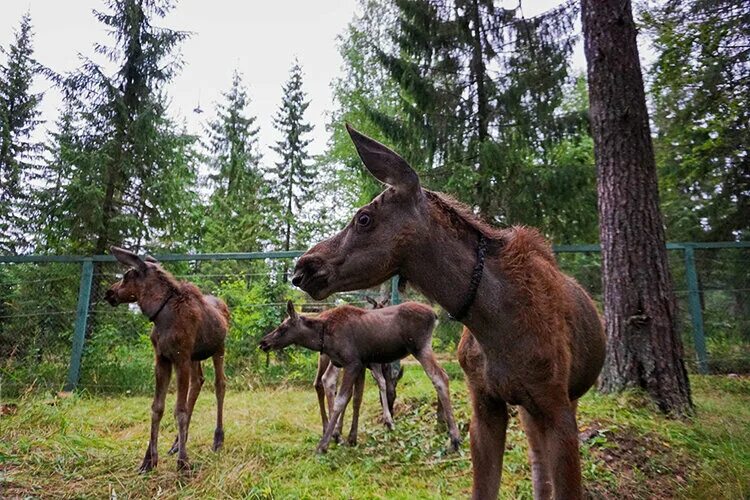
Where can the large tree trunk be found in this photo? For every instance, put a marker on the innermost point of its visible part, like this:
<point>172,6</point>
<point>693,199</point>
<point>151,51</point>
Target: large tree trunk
<point>645,349</point>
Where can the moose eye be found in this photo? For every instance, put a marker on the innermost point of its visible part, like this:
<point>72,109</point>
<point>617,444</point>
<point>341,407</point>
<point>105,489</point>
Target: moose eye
<point>364,220</point>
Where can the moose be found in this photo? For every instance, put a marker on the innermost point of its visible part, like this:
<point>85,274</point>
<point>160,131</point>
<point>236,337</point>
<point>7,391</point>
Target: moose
<point>532,336</point>
<point>386,375</point>
<point>189,327</point>
<point>353,338</point>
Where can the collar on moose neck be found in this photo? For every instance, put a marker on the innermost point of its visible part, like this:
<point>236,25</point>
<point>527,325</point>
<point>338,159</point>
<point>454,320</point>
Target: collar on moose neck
<point>167,298</point>
<point>322,336</point>
<point>476,278</point>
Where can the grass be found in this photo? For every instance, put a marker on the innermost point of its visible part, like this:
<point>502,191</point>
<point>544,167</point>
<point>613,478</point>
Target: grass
<point>90,446</point>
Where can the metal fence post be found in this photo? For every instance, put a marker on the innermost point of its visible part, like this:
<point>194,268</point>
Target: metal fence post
<point>82,316</point>
<point>694,302</point>
<point>395,297</point>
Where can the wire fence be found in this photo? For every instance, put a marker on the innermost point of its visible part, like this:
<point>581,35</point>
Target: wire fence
<point>56,331</point>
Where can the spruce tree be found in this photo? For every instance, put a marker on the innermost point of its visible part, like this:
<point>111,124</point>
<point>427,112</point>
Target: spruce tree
<point>19,116</point>
<point>293,176</point>
<point>132,172</point>
<point>236,204</point>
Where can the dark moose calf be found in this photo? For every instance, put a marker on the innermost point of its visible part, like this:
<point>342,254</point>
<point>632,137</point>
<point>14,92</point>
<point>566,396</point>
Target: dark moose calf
<point>353,338</point>
<point>188,328</point>
<point>386,375</point>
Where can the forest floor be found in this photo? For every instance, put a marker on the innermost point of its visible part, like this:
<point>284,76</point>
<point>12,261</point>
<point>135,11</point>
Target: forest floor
<point>90,447</point>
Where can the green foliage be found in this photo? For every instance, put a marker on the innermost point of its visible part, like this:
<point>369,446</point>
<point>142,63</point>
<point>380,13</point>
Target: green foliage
<point>701,95</point>
<point>19,116</point>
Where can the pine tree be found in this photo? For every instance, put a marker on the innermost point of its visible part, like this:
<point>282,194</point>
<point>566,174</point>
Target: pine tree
<point>644,348</point>
<point>293,175</point>
<point>236,204</point>
<point>19,116</point>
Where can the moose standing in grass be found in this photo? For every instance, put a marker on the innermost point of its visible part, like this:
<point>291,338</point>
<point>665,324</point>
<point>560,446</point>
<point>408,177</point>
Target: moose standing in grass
<point>189,327</point>
<point>353,338</point>
<point>532,335</point>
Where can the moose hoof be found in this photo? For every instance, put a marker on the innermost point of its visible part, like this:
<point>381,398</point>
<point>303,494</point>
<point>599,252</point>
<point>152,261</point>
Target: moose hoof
<point>321,450</point>
<point>175,446</point>
<point>218,439</point>
<point>455,445</point>
<point>352,441</point>
<point>336,438</point>
<point>184,467</point>
<point>390,425</point>
<point>148,465</point>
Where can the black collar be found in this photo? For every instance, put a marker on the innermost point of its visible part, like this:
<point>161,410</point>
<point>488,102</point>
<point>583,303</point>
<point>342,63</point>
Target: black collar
<point>476,278</point>
<point>322,336</point>
<point>168,297</point>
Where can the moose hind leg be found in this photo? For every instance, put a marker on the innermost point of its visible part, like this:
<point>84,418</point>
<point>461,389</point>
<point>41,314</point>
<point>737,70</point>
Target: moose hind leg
<point>220,385</point>
<point>183,369</point>
<point>162,373</point>
<point>440,380</point>
<point>377,373</point>
<point>330,381</point>
<point>196,383</point>
<point>359,387</point>
<point>321,391</point>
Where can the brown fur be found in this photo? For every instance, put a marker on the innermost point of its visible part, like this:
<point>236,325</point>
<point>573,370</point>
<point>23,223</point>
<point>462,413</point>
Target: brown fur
<point>532,335</point>
<point>354,338</point>
<point>386,375</point>
<point>188,328</point>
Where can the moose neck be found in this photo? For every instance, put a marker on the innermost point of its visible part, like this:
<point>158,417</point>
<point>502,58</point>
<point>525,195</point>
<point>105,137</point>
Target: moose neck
<point>442,264</point>
<point>316,340</point>
<point>154,303</point>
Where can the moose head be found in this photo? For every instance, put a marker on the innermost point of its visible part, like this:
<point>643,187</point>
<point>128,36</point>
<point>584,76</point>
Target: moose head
<point>295,329</point>
<point>143,277</point>
<point>372,247</point>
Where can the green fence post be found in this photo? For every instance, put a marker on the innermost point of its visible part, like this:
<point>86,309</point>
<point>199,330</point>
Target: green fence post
<point>82,316</point>
<point>694,302</point>
<point>395,297</point>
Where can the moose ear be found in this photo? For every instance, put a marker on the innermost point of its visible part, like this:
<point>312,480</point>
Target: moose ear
<point>128,258</point>
<point>372,302</point>
<point>383,163</point>
<point>290,310</point>
<point>151,259</point>
<point>384,303</point>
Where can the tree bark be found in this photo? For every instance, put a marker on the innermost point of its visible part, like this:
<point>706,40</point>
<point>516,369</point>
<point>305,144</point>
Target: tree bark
<point>644,348</point>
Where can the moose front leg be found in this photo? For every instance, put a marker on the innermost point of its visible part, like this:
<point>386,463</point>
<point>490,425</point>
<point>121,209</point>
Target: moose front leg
<point>561,445</point>
<point>377,373</point>
<point>220,385</point>
<point>162,373</point>
<point>182,370</point>
<point>489,422</point>
<point>538,456</point>
<point>351,373</point>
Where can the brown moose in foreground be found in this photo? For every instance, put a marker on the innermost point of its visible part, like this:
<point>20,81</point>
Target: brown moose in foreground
<point>532,335</point>
<point>386,375</point>
<point>353,338</point>
<point>188,328</point>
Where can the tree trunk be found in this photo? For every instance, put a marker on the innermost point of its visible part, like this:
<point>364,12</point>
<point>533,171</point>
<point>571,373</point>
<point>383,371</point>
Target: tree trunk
<point>644,349</point>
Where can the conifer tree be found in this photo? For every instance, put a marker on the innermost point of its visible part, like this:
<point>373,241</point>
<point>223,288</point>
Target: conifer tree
<point>19,116</point>
<point>236,204</point>
<point>293,175</point>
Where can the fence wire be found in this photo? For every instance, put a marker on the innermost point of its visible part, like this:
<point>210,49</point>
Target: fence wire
<point>38,303</point>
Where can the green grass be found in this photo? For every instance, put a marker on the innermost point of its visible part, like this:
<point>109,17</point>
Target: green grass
<point>90,446</point>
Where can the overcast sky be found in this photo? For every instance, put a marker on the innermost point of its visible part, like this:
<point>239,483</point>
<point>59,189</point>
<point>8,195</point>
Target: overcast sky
<point>260,38</point>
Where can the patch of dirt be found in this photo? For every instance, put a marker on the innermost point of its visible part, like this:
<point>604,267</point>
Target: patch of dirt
<point>643,466</point>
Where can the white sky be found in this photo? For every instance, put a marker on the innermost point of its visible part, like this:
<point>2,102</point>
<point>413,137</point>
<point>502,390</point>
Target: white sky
<point>258,37</point>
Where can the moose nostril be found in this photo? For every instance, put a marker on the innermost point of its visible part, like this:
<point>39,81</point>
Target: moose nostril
<point>297,279</point>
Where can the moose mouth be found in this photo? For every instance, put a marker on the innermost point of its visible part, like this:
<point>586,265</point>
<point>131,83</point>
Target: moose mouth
<point>314,284</point>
